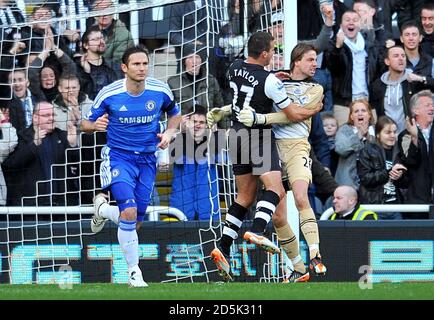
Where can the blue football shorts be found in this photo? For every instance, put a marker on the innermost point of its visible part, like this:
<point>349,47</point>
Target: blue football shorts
<point>130,177</point>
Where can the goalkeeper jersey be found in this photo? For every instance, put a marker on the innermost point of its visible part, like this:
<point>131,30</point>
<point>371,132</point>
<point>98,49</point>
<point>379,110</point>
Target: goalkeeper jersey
<point>294,130</point>
<point>134,120</point>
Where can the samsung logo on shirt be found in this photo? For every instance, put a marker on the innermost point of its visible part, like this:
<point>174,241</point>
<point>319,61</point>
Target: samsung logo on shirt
<point>144,119</point>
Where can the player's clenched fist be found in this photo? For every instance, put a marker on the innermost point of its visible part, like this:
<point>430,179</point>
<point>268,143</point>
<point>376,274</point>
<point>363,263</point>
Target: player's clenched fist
<point>249,117</point>
<point>101,123</point>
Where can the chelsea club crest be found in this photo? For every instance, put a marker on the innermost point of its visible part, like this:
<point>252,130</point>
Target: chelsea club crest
<point>150,105</point>
<point>115,173</point>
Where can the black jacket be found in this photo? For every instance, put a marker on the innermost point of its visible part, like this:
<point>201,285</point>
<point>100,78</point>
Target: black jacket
<point>423,68</point>
<point>373,174</point>
<point>323,183</point>
<point>99,77</point>
<point>378,91</point>
<point>340,63</point>
<point>420,165</point>
<point>29,163</point>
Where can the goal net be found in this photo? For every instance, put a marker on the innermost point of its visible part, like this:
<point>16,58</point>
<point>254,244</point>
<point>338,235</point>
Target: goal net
<point>44,233</point>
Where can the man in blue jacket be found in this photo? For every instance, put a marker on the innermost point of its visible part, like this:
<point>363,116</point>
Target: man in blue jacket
<point>194,183</point>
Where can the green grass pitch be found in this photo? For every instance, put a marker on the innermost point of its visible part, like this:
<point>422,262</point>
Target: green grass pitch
<point>223,291</point>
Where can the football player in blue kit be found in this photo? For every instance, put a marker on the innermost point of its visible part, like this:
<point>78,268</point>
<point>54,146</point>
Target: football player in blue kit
<point>130,110</point>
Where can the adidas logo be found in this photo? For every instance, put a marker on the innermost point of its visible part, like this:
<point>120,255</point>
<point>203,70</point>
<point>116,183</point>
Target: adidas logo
<point>123,108</point>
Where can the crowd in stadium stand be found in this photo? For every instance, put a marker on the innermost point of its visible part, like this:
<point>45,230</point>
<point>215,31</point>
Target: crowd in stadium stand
<point>374,133</point>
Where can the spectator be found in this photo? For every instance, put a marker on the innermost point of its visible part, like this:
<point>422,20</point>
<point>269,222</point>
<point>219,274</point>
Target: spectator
<point>320,42</point>
<point>45,69</point>
<point>188,24</point>
<point>94,70</point>
<point>330,125</point>
<point>71,28</point>
<point>352,61</point>
<point>390,94</point>
<point>311,18</point>
<point>416,146</point>
<point>367,10</point>
<point>379,170</point>
<point>384,9</point>
<point>42,30</point>
<point>71,104</point>
<point>427,22</point>
<point>40,146</point>
<point>419,62</point>
<point>193,86</point>
<point>116,35</point>
<point>70,107</point>
<point>8,142</point>
<point>350,139</point>
<point>194,182</point>
<point>10,15</point>
<point>408,10</point>
<point>347,206</point>
<point>323,77</point>
<point>23,100</point>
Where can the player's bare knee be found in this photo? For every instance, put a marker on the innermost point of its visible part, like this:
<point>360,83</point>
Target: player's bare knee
<point>301,199</point>
<point>129,214</point>
<point>245,200</point>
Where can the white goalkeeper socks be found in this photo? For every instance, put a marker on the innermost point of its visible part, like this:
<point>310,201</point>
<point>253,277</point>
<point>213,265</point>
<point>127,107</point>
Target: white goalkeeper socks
<point>128,240</point>
<point>109,212</point>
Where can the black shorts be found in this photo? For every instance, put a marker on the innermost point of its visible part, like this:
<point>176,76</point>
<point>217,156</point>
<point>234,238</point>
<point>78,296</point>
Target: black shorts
<point>253,151</point>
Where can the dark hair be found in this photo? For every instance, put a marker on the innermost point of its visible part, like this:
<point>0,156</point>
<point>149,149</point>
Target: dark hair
<point>85,37</point>
<point>132,50</point>
<point>299,51</point>
<point>197,109</point>
<point>382,122</point>
<point>410,24</point>
<point>259,42</point>
<point>55,70</point>
<point>42,6</point>
<point>392,47</point>
<point>427,6</point>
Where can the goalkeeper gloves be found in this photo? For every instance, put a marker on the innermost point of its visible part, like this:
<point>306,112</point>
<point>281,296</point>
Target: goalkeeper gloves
<point>217,114</point>
<point>249,117</point>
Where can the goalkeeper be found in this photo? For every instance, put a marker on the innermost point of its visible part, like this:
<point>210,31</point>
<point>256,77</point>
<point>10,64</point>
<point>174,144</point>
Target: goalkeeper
<point>293,146</point>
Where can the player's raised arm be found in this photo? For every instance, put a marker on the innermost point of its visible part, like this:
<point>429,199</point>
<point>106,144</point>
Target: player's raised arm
<point>291,113</point>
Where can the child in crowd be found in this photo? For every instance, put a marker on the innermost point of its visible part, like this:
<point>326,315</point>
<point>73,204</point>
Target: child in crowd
<point>379,170</point>
<point>330,125</point>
